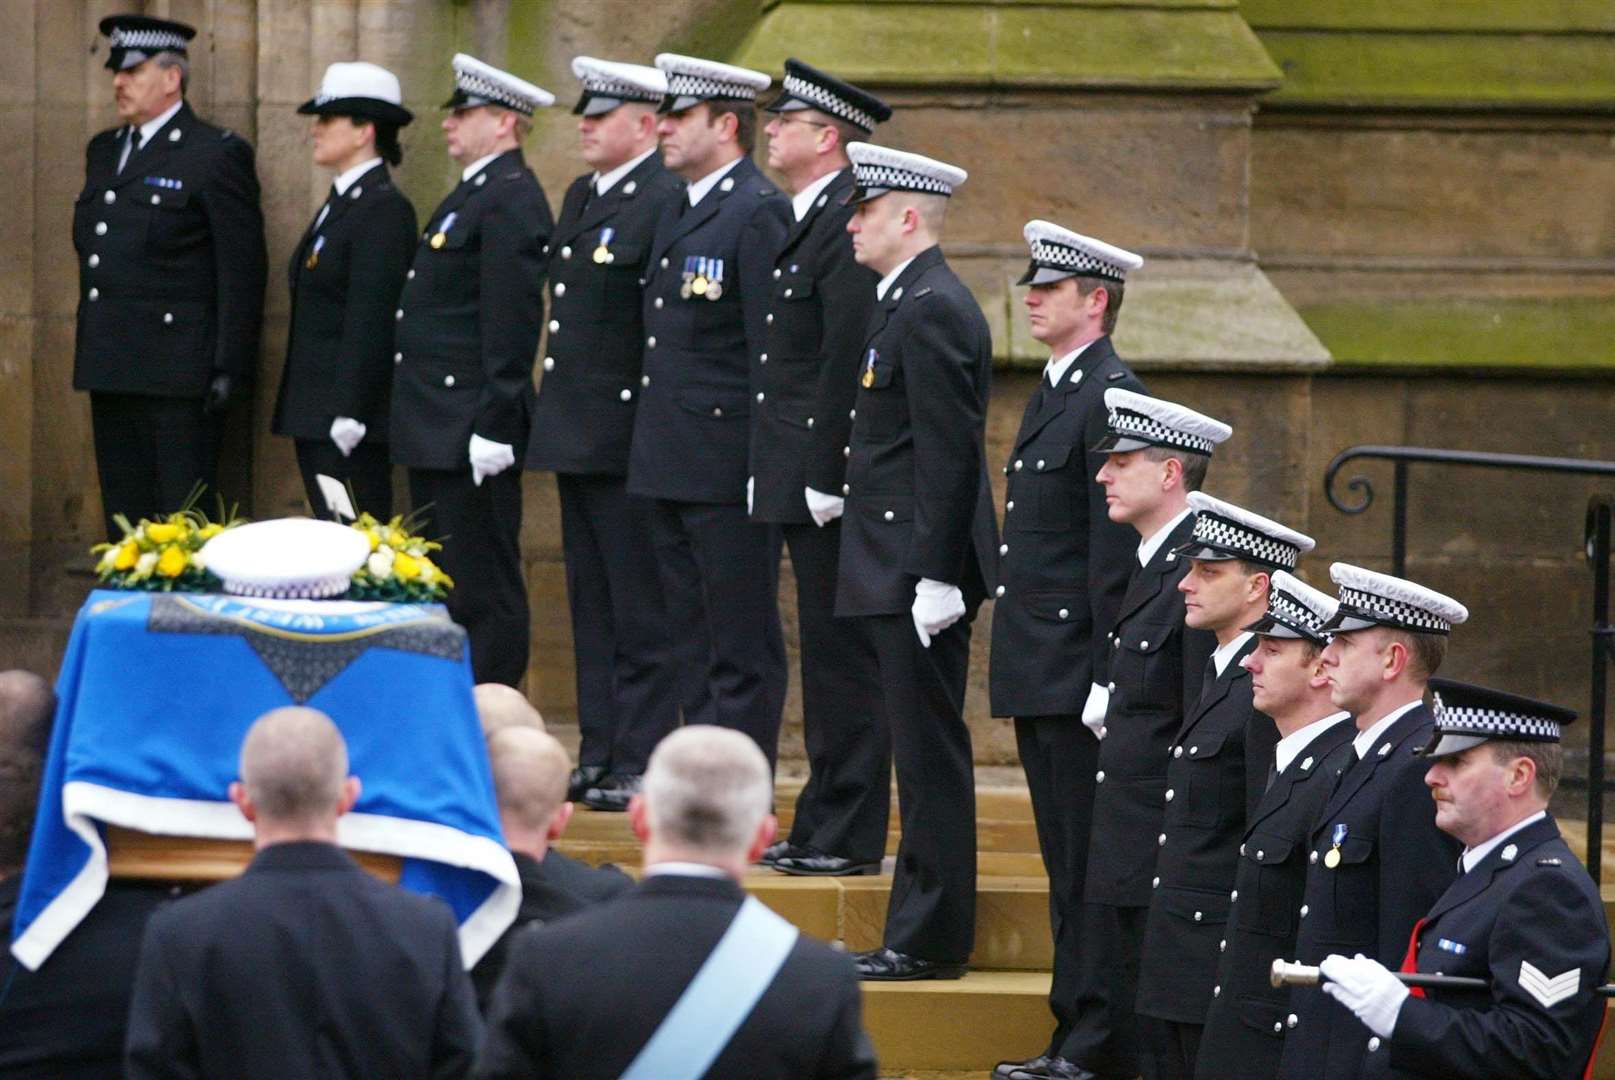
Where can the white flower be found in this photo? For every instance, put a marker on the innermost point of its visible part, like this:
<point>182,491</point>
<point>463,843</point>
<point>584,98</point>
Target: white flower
<point>146,564</point>
<point>380,563</point>
<point>197,561</point>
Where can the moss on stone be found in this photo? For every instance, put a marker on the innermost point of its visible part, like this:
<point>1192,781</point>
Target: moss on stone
<point>1573,334</point>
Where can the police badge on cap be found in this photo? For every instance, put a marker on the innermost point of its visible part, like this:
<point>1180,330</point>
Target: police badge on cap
<point>134,39</point>
<point>1470,715</point>
<point>877,170</point>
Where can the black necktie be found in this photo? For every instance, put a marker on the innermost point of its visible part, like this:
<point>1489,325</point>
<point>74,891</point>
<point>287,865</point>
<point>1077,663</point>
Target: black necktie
<point>134,145</point>
<point>1209,679</point>
<point>1272,774</point>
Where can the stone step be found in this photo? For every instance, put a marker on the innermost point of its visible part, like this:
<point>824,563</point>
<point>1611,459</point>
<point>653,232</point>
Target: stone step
<point>960,1027</point>
<point>626,854</point>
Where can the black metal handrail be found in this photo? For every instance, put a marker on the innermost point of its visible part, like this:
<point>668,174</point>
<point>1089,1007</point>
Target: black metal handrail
<point>1597,534</point>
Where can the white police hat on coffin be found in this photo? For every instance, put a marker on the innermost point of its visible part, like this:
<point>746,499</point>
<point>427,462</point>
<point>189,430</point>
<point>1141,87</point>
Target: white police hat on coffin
<point>359,89</point>
<point>1295,610</point>
<point>610,83</point>
<point>134,39</point>
<point>1059,253</point>
<point>476,83</point>
<point>1470,715</point>
<point>692,80</point>
<point>878,170</point>
<point>1224,531</point>
<point>286,558</point>
<point>1136,421</point>
<point>806,87</point>
<point>1368,598</point>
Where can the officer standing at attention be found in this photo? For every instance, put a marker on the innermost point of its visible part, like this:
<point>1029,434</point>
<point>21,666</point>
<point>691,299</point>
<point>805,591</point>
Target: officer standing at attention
<point>468,327</point>
<point>705,307</point>
<point>806,378</point>
<point>1215,774</point>
<point>917,544</point>
<point>627,692</point>
<point>346,274</point>
<point>170,241</point>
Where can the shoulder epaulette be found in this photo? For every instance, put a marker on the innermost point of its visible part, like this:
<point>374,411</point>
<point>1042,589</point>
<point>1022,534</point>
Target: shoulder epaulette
<point>1551,860</point>
<point>926,291</point>
<point>1115,375</point>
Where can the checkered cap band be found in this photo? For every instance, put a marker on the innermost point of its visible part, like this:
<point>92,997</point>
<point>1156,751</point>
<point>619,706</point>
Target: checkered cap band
<point>600,86</point>
<point>1383,609</point>
<point>892,178</point>
<point>1214,530</point>
<point>1138,426</point>
<point>826,100</point>
<point>702,86</point>
<point>1293,613</point>
<point>476,85</point>
<point>1494,723</point>
<point>1062,257</point>
<point>146,40</point>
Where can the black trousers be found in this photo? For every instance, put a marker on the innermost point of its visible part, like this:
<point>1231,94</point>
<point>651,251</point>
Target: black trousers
<point>1169,1048</point>
<point>1098,1027</point>
<point>480,529</point>
<point>150,452</point>
<point>845,806</point>
<point>932,913</point>
<point>368,470</point>
<point>720,577</point>
<point>627,681</point>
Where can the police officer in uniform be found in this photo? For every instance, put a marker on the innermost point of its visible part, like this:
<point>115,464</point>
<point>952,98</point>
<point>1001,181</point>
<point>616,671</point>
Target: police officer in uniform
<point>806,378</point>
<point>468,326</point>
<point>346,273</point>
<point>170,242</point>
<point>917,544</point>
<point>1215,773</point>
<point>584,420</point>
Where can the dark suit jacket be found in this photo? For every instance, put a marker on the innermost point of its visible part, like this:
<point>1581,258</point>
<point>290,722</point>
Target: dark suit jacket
<point>67,1020</point>
<point>543,900</point>
<point>1067,564</point>
<point>1245,1027</point>
<point>589,391</point>
<point>692,432</point>
<point>171,261</point>
<point>917,500</point>
<point>1527,902</point>
<point>339,349</point>
<point>469,318</point>
<point>577,877</point>
<point>304,966</point>
<point>582,996</point>
<point>1156,670</point>
<point>822,300</point>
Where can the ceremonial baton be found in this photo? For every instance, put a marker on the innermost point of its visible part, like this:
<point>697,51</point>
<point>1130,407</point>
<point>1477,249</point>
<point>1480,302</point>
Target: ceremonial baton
<point>1285,973</point>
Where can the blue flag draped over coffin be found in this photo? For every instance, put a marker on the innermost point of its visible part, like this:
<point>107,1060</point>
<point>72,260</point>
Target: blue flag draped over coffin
<point>157,692</point>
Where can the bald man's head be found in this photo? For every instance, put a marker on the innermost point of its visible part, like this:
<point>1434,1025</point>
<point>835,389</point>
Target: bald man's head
<point>27,706</point>
<point>500,706</point>
<point>529,778</point>
<point>294,768</point>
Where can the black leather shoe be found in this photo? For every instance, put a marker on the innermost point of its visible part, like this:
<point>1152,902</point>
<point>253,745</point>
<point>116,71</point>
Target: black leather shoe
<point>805,862</point>
<point>582,779</point>
<point>1053,1068</point>
<point>1030,1067</point>
<point>777,850</point>
<point>613,792</point>
<point>889,965</point>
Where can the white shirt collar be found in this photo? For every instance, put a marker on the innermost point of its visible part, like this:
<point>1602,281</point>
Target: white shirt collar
<point>346,180</point>
<point>605,183</point>
<point>802,201</point>
<point>699,189</point>
<point>1055,370</point>
<point>1225,653</point>
<point>1475,854</point>
<point>1147,549</point>
<point>684,869</point>
<point>477,166</point>
<point>1290,747</point>
<point>886,282</point>
<point>155,124</point>
<point>1365,740</point>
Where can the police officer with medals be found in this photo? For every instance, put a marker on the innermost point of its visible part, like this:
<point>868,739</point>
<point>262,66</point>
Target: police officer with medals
<point>170,243</point>
<point>468,324</point>
<point>805,380</point>
<point>346,273</point>
<point>584,419</point>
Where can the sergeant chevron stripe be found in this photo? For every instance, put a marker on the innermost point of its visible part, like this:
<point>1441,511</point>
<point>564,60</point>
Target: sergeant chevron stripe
<point>1549,991</point>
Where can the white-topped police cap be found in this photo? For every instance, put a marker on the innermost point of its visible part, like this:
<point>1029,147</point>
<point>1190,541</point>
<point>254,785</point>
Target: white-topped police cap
<point>477,83</point>
<point>610,83</point>
<point>1469,715</point>
<point>806,87</point>
<point>134,39</point>
<point>287,558</point>
<point>879,170</point>
<point>356,88</point>
<point>692,80</point>
<point>1295,610</point>
<point>1059,253</point>
<point>1369,598</point>
<point>1224,531</point>
<point>1135,421</point>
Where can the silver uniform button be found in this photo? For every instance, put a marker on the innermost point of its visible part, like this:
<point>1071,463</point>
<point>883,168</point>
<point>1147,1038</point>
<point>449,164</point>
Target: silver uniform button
<point>1304,910</point>
<point>448,380</point>
<point>787,294</point>
<point>776,273</point>
<point>717,410</point>
<point>1199,916</point>
<point>1177,751</point>
<point>1111,687</point>
<point>1222,946</point>
<point>566,253</point>
<point>1373,1044</point>
<point>650,342</point>
<point>555,325</point>
<point>95,260</point>
<point>398,358</point>
<point>549,363</point>
<point>398,316</point>
<point>889,516</point>
<point>560,288</point>
<point>664,264</point>
<point>1313,857</point>
<point>1009,506</point>
<point>1278,1028</point>
<point>762,358</point>
<point>1099,777</point>
<point>1155,883</point>
<point>1003,549</point>
<point>1065,613</point>
<point>1193,750</point>
<point>846,489</point>
<point>769,318</point>
<point>110,197</point>
<point>644,380</point>
<point>852,414</point>
<point>100,228</point>
<point>156,200</point>
<point>1260,855</point>
<point>1143,644</point>
<point>95,294</point>
<point>627,395</point>
<point>1216,991</point>
<point>168,318</point>
<point>1039,463</point>
<point>411,274</point>
<point>846,451</point>
<point>1169,794</point>
<point>1233,895</point>
<point>810,423</point>
<point>998,591</point>
<point>760,396</point>
<point>1018,464</point>
<point>1160,841</point>
<point>1291,1020</point>
<point>1242,849</point>
<point>657,303</point>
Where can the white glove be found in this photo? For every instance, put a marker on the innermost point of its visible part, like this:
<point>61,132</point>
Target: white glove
<point>937,606</point>
<point>1366,987</point>
<point>824,508</point>
<point>489,458</point>
<point>347,433</point>
<point>751,492</point>
<point>1093,711</point>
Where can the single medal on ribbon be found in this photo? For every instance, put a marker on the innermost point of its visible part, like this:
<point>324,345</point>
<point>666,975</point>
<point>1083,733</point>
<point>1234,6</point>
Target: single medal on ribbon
<point>869,369</point>
<point>1332,858</point>
<point>313,259</point>
<point>715,282</point>
<point>441,237</point>
<point>689,276</point>
<point>699,285</point>
<point>602,251</point>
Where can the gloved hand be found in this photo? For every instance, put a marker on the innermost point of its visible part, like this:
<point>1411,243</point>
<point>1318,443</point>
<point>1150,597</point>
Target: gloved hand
<point>937,606</point>
<point>824,508</point>
<point>751,491</point>
<point>347,433</point>
<point>1366,987</point>
<point>1093,711</point>
<point>489,458</point>
<point>219,393</point>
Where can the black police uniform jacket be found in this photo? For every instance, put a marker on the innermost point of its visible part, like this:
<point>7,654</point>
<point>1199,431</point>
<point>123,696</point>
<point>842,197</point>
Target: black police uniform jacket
<point>171,261</point>
<point>1067,564</point>
<point>1245,1027</point>
<point>469,319</point>
<point>1214,776</point>
<point>1393,866</point>
<point>807,372</point>
<point>1156,670</point>
<point>345,279</point>
<point>692,431</point>
<point>1528,919</point>
<point>582,996</point>
<point>584,418</point>
<point>917,500</point>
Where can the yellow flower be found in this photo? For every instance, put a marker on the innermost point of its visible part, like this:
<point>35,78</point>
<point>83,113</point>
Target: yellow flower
<point>374,537</point>
<point>172,563</point>
<point>128,552</point>
<point>405,567</point>
<point>162,533</point>
<point>210,530</point>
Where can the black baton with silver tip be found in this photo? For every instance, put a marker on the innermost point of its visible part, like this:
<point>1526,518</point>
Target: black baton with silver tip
<point>1285,973</point>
